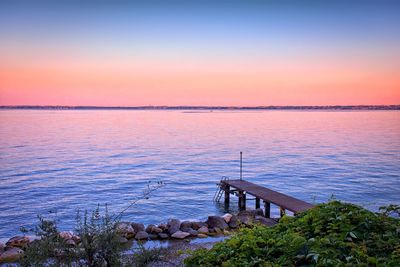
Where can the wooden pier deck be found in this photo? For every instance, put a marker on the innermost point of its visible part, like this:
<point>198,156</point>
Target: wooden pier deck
<point>268,196</point>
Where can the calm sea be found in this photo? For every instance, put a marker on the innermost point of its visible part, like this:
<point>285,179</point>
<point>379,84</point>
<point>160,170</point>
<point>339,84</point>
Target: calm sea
<point>56,162</point>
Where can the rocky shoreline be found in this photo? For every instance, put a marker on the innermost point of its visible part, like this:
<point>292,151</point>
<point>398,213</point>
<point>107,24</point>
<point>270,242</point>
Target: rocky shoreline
<point>13,249</point>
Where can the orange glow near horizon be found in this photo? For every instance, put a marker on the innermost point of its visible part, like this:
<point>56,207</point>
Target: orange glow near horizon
<point>197,81</point>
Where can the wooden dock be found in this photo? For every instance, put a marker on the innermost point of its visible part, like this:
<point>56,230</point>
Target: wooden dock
<point>268,196</point>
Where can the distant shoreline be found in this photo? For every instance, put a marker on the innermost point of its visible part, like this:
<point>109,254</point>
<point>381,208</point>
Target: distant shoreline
<point>354,107</point>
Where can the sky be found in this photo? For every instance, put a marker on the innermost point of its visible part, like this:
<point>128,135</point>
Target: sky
<point>214,53</point>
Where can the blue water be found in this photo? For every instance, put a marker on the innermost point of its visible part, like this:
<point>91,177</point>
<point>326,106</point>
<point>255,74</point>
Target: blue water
<point>62,161</point>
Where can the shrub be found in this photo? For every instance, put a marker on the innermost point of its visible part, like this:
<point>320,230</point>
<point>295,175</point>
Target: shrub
<point>332,234</point>
<point>99,240</point>
<point>98,246</point>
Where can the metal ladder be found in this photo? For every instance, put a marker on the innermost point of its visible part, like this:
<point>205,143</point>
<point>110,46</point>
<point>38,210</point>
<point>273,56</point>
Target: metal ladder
<point>218,194</point>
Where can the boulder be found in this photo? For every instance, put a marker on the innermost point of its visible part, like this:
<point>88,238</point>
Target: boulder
<point>11,255</point>
<point>141,235</point>
<point>216,221</point>
<point>202,235</point>
<point>203,230</point>
<point>173,226</point>
<point>163,235</point>
<point>233,223</point>
<point>193,232</point>
<point>138,227</point>
<point>122,240</point>
<point>265,221</point>
<point>125,229</point>
<point>227,217</point>
<point>18,242</point>
<point>197,225</point>
<point>67,235</point>
<point>156,230</point>
<point>180,235</point>
<point>185,226</point>
<point>163,226</point>
<point>218,231</point>
<point>249,213</point>
<point>2,247</point>
<point>149,228</point>
<point>246,220</point>
<point>152,229</point>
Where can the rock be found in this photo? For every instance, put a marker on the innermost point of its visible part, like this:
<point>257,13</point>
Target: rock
<point>69,238</point>
<point>149,228</point>
<point>152,229</point>
<point>246,220</point>
<point>216,221</point>
<point>122,240</point>
<point>227,217</point>
<point>141,235</point>
<point>153,236</point>
<point>18,242</point>
<point>265,221</point>
<point>226,232</point>
<point>11,255</point>
<point>218,231</point>
<point>203,230</point>
<point>249,213</point>
<point>138,227</point>
<point>233,223</point>
<point>163,235</point>
<point>163,227</point>
<point>185,226</point>
<point>193,232</point>
<point>173,226</point>
<point>202,235</point>
<point>2,247</point>
<point>125,229</point>
<point>66,235</point>
<point>180,235</point>
<point>157,230</point>
<point>197,225</point>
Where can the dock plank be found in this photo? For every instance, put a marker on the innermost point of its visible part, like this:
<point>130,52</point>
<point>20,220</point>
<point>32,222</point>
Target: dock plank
<point>287,202</point>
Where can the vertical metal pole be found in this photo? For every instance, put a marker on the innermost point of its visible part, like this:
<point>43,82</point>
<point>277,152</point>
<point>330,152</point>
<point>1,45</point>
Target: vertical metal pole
<point>241,165</point>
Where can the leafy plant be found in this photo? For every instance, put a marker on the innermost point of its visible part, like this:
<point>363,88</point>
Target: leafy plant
<point>332,234</point>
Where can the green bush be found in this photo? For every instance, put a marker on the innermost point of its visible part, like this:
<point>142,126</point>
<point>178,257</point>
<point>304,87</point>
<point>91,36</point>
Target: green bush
<point>332,234</point>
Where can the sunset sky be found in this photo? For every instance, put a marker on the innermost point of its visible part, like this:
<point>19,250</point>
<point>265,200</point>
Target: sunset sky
<point>240,53</point>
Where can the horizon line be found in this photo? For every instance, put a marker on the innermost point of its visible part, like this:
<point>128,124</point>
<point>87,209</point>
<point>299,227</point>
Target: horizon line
<point>201,107</point>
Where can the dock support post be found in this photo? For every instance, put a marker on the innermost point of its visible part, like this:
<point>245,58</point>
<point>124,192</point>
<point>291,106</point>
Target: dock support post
<point>283,211</point>
<point>257,203</point>
<point>267,207</point>
<point>227,195</point>
<point>242,200</point>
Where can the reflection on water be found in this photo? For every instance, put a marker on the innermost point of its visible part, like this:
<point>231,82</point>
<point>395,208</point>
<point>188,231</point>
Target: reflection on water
<point>68,160</point>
